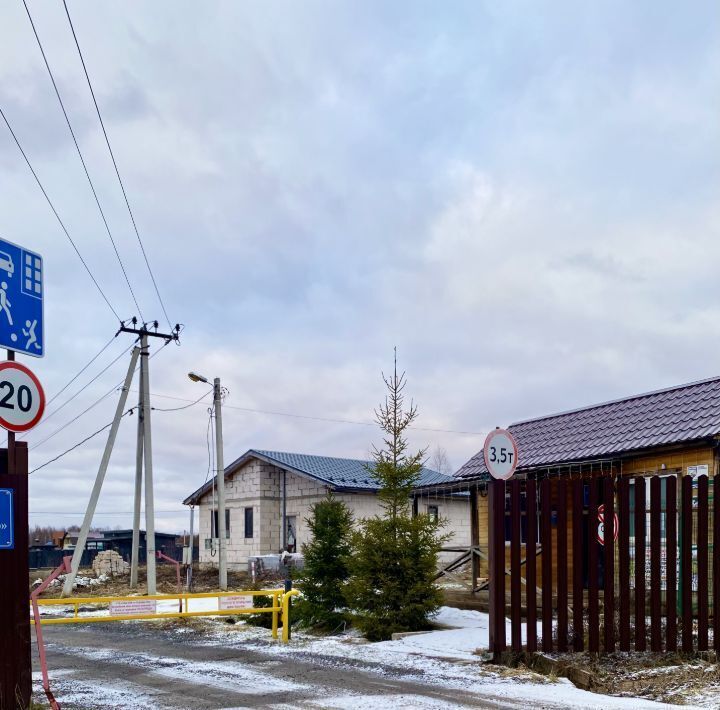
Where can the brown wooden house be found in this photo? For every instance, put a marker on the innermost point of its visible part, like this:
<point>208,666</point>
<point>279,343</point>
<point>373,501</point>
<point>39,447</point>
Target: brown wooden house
<point>674,431</point>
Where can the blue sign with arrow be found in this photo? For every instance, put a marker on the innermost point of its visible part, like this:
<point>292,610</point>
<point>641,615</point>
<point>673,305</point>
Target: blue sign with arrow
<point>7,527</point>
<point>21,300</point>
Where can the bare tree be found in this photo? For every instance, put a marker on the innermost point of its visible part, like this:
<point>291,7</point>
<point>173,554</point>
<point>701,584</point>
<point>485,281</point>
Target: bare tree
<point>440,462</point>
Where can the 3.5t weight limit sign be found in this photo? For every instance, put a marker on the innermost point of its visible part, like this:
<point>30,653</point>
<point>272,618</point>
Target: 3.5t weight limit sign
<point>22,400</point>
<point>501,454</point>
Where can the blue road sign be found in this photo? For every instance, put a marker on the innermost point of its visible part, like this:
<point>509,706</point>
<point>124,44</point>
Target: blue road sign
<point>7,528</point>
<point>21,300</point>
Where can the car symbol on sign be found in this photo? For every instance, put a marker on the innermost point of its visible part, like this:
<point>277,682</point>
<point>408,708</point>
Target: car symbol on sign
<point>6,263</point>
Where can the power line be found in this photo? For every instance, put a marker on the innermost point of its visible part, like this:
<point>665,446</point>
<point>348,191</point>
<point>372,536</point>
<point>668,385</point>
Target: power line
<point>82,159</point>
<point>187,406</point>
<point>84,387</point>
<point>115,165</point>
<point>57,216</point>
<point>57,394</point>
<point>93,405</point>
<point>324,419</point>
<point>80,443</point>
<point>95,357</point>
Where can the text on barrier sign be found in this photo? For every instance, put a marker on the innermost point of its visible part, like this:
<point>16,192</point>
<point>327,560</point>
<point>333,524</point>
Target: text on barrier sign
<point>229,603</point>
<point>128,608</point>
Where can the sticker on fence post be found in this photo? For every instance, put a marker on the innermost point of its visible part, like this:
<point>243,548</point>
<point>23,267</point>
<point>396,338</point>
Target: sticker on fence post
<point>601,525</point>
<point>229,603</point>
<point>130,608</point>
<point>501,454</point>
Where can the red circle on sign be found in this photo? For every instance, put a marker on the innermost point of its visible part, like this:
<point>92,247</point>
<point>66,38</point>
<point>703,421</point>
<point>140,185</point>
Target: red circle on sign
<point>601,521</point>
<point>25,426</point>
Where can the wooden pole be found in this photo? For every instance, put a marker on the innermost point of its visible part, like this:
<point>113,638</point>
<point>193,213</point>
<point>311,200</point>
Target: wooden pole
<point>496,553</point>
<point>474,536</point>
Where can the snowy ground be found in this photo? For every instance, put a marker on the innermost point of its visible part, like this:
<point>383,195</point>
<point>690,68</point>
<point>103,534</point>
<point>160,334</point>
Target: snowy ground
<point>213,664</point>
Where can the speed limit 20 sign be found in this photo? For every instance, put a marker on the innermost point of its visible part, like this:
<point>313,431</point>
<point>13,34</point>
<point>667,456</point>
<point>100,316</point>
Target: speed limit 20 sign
<point>22,400</point>
<point>501,454</point>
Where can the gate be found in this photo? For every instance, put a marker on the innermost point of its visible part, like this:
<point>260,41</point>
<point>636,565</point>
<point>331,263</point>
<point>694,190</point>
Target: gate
<point>648,581</point>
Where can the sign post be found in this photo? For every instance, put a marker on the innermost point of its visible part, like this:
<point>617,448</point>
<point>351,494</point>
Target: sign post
<point>22,403</point>
<point>15,666</point>
<point>501,459</point>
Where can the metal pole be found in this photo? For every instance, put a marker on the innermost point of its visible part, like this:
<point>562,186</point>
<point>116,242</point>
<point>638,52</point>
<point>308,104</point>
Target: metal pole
<point>284,511</point>
<point>147,452</point>
<point>135,556</point>
<point>95,495</point>
<point>220,465</point>
<point>192,544</point>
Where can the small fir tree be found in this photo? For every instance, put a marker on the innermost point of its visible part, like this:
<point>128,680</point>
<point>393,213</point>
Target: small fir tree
<point>394,559</point>
<point>325,571</point>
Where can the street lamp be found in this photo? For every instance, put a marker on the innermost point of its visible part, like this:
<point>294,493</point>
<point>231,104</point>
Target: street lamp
<point>220,474</point>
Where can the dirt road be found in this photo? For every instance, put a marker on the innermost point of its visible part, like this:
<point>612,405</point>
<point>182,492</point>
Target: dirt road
<point>134,665</point>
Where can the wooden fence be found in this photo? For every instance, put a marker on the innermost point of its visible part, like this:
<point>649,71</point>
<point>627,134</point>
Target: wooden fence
<point>646,578</point>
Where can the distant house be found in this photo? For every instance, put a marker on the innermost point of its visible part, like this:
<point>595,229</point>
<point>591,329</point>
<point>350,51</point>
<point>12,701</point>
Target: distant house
<point>269,495</point>
<point>121,542</point>
<point>95,540</point>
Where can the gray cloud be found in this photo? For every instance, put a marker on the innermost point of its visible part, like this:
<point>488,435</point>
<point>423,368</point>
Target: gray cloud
<point>521,198</point>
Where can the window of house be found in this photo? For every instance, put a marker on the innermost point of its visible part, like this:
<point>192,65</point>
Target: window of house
<point>214,523</point>
<point>248,522</point>
<point>433,512</point>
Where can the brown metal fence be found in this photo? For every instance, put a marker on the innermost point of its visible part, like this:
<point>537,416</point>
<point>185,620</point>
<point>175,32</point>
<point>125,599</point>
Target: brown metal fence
<point>604,563</point>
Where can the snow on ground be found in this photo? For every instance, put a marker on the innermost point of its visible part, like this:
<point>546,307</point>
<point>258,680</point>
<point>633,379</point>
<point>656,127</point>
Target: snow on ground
<point>225,674</point>
<point>71,690</point>
<point>376,702</point>
<point>444,657</point>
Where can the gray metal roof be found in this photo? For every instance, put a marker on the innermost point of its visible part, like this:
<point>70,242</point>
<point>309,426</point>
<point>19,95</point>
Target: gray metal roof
<point>676,415</point>
<point>345,474</point>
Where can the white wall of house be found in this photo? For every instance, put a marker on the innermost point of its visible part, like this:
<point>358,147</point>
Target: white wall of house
<point>259,485</point>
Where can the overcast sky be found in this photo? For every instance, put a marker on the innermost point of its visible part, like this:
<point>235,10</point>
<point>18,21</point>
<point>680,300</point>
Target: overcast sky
<point>521,196</point>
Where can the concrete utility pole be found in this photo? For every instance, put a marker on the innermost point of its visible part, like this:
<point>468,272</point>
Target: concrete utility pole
<point>95,495</point>
<point>220,465</point>
<point>147,452</point>
<point>220,476</point>
<point>143,456</point>
<point>190,551</point>
<point>135,555</point>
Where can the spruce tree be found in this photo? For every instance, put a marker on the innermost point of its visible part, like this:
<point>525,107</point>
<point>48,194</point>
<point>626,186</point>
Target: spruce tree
<point>394,559</point>
<point>325,572</point>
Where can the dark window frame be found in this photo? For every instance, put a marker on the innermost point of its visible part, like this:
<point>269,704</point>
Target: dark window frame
<point>249,520</point>
<point>214,523</point>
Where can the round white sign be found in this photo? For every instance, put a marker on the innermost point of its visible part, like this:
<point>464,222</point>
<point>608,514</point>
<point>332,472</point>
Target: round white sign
<point>22,400</point>
<point>501,454</point>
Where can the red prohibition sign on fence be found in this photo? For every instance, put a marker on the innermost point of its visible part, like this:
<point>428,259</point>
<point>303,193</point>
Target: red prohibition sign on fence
<point>601,525</point>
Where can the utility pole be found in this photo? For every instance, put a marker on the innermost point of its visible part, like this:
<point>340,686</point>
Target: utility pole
<point>143,454</point>
<point>220,465</point>
<point>135,555</point>
<point>147,456</point>
<point>220,476</point>
<point>190,551</point>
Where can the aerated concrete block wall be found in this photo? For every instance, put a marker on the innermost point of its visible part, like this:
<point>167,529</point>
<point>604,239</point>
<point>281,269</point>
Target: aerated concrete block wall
<point>259,485</point>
